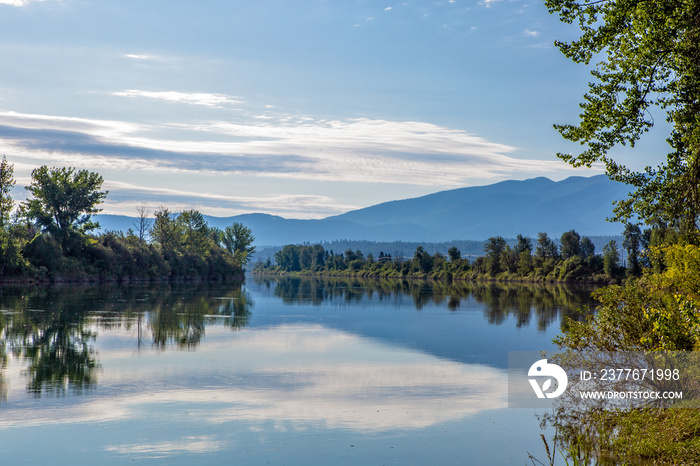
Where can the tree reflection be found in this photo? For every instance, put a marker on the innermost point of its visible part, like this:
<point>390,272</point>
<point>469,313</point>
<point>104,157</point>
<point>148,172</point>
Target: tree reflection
<point>51,334</point>
<point>538,303</point>
<point>52,331</point>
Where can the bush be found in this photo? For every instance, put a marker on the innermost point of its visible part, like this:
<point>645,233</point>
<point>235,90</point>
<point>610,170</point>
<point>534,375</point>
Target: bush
<point>44,251</point>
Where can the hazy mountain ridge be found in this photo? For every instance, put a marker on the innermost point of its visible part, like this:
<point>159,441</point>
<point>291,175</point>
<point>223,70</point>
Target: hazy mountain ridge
<point>506,209</point>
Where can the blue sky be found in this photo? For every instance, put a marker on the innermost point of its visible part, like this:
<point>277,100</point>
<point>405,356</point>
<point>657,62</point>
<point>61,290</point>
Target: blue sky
<point>302,109</point>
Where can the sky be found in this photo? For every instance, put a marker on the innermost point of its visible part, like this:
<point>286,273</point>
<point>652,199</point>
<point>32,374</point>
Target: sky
<point>297,108</point>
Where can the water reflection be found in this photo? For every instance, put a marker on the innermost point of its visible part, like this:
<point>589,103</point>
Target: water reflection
<point>52,330</point>
<point>406,371</point>
<point>542,303</point>
<point>294,376</point>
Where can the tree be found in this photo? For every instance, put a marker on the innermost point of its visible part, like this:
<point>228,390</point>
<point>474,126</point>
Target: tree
<point>288,258</point>
<point>305,257</point>
<point>632,241</point>
<point>238,240</point>
<point>648,53</point>
<point>611,259</point>
<point>7,182</point>
<point>509,260</point>
<point>525,263</point>
<point>165,231</point>
<point>454,254</point>
<point>546,249</point>
<point>142,222</point>
<point>422,260</point>
<point>570,244</point>
<point>587,248</point>
<point>64,200</point>
<point>494,249</point>
<point>524,244</point>
<point>319,255</point>
<point>195,232</point>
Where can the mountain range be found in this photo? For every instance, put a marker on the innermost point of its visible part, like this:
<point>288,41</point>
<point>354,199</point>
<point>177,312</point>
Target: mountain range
<point>507,209</point>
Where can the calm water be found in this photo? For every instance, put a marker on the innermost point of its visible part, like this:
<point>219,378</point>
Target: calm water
<point>281,371</point>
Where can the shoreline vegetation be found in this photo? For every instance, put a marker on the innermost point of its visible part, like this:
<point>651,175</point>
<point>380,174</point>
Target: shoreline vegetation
<point>573,261</point>
<point>634,76</point>
<point>48,239</point>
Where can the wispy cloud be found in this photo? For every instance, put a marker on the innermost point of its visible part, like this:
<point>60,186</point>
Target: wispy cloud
<point>357,150</point>
<point>194,98</point>
<point>123,195</point>
<point>530,33</point>
<point>142,56</point>
<point>18,2</point>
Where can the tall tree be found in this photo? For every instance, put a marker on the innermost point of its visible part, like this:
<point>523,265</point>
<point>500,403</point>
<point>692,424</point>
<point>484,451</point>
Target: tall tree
<point>64,201</point>
<point>494,248</point>
<point>7,182</point>
<point>611,259</point>
<point>647,55</point>
<point>142,222</point>
<point>165,231</point>
<point>524,244</point>
<point>238,240</point>
<point>288,258</point>
<point>632,241</point>
<point>195,232</point>
<point>587,248</point>
<point>570,244</point>
<point>546,248</point>
<point>422,260</point>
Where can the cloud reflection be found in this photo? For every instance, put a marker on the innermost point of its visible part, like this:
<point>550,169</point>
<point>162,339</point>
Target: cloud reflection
<point>295,376</point>
<point>189,445</point>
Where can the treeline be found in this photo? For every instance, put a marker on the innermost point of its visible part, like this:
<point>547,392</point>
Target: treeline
<point>468,248</point>
<point>395,248</point>
<point>48,237</point>
<point>574,259</point>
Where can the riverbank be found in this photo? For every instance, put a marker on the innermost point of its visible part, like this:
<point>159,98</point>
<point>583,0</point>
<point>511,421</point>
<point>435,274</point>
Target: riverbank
<point>575,263</point>
<point>599,280</point>
<point>88,280</point>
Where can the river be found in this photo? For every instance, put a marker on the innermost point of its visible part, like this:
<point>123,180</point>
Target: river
<point>272,371</point>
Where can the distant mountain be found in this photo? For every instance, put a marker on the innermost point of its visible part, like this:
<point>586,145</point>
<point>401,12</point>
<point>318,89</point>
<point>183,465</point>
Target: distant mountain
<point>507,209</point>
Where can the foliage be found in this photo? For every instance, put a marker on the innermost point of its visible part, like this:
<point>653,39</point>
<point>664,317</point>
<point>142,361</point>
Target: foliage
<point>611,259</point>
<point>454,254</point>
<point>194,233</point>
<point>546,249</point>
<point>648,54</point>
<point>658,311</point>
<point>7,181</point>
<point>587,248</point>
<point>422,260</point>
<point>524,244</point>
<point>494,248</point>
<point>632,242</point>
<point>501,261</point>
<point>165,230</point>
<point>48,238</point>
<point>238,240</point>
<point>570,244</point>
<point>64,200</point>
